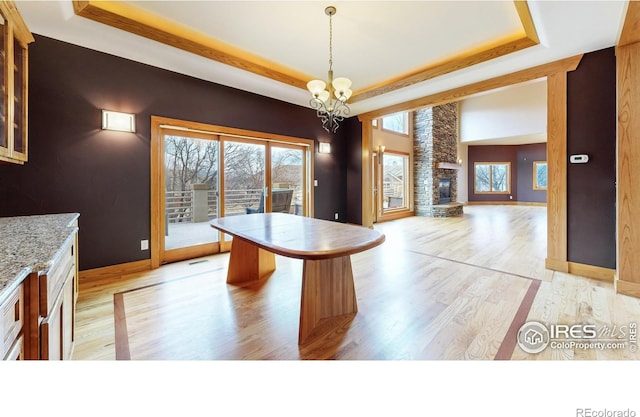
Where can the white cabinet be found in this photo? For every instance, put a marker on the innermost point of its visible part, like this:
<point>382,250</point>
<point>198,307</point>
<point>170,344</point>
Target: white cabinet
<point>11,326</point>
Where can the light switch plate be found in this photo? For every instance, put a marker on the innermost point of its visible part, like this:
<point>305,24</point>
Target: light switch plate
<point>579,159</point>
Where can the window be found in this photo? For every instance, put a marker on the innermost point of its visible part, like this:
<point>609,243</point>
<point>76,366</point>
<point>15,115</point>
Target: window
<point>398,123</point>
<point>492,177</point>
<point>540,175</point>
<point>395,184</point>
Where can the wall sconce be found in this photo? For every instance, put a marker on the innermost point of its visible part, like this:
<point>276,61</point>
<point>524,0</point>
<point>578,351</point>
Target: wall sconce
<point>324,147</point>
<point>123,122</point>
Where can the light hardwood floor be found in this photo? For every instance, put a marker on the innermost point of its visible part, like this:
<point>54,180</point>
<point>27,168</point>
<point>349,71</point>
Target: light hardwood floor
<point>456,288</point>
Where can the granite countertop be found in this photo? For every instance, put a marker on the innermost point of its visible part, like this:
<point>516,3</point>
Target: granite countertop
<point>31,244</point>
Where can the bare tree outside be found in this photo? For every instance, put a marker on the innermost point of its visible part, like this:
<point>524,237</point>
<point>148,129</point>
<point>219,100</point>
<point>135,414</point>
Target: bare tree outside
<point>190,161</point>
<point>483,178</point>
<point>286,165</point>
<point>491,178</point>
<point>243,166</point>
<point>499,178</point>
<point>540,172</point>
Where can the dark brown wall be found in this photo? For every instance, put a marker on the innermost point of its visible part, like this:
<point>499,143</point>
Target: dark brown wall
<point>76,167</point>
<point>591,130</point>
<point>354,171</point>
<point>493,153</point>
<point>521,158</point>
<point>527,155</point>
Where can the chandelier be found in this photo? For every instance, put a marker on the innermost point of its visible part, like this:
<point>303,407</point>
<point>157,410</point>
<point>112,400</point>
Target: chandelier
<point>329,109</point>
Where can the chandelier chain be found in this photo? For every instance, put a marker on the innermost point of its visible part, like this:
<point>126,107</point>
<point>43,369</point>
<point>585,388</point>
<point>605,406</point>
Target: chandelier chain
<point>330,43</point>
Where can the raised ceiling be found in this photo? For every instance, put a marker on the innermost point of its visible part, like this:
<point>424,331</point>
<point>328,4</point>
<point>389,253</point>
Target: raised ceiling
<point>394,51</point>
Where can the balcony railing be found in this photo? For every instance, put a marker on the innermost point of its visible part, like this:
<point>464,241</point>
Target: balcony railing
<point>188,206</point>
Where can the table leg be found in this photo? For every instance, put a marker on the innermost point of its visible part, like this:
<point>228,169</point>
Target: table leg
<point>248,262</point>
<point>327,292</point>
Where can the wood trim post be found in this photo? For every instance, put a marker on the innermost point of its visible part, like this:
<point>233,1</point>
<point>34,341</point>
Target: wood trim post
<point>557,172</point>
<point>367,175</point>
<point>628,198</point>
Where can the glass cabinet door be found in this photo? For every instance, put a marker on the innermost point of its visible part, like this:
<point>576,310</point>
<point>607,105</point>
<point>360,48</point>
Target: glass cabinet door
<point>19,100</point>
<point>14,40</point>
<point>4,138</point>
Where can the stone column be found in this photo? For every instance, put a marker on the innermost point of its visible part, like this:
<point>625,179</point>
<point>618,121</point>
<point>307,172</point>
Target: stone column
<point>423,164</point>
<point>200,204</point>
<point>435,140</point>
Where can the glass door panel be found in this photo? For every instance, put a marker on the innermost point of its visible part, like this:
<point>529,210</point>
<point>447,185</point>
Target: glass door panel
<point>4,140</point>
<point>19,98</point>
<point>287,180</point>
<point>395,170</point>
<point>244,179</point>
<point>191,191</point>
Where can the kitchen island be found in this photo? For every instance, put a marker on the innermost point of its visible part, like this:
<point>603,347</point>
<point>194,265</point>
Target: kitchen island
<point>38,285</point>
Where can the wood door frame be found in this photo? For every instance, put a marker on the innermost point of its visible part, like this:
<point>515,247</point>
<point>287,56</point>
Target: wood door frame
<point>628,168</point>
<point>159,124</point>
<point>556,74</point>
<point>381,215</point>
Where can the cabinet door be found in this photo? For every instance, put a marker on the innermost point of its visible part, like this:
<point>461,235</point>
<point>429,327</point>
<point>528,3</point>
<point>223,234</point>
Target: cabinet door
<point>11,320</point>
<point>51,333</point>
<point>17,351</point>
<point>15,37</point>
<point>68,313</point>
<point>56,331</point>
<point>19,115</point>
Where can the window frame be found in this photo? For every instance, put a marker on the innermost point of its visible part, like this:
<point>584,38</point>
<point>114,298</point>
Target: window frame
<point>406,180</point>
<point>536,186</point>
<point>405,119</point>
<point>491,164</point>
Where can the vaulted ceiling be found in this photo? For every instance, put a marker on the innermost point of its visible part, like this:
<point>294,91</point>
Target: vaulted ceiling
<point>394,51</point>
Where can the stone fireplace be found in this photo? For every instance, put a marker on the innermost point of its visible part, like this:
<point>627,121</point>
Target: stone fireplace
<point>435,150</point>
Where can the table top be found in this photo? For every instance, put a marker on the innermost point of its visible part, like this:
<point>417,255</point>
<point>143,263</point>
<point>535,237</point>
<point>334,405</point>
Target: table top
<point>299,237</point>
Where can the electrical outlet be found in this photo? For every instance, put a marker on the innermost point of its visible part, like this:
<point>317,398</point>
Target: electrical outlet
<point>144,245</point>
<point>335,216</point>
<point>315,183</point>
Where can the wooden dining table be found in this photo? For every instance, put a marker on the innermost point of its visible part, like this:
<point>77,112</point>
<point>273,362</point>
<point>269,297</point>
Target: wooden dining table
<point>328,290</point>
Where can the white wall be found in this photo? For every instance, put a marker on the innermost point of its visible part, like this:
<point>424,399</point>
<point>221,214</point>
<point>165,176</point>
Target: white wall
<point>518,113</point>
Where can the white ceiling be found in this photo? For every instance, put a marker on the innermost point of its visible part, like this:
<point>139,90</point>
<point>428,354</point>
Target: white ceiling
<point>373,40</point>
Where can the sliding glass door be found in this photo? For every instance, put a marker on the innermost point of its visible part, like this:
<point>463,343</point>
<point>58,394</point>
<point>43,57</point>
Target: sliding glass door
<point>191,193</point>
<point>197,176</point>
